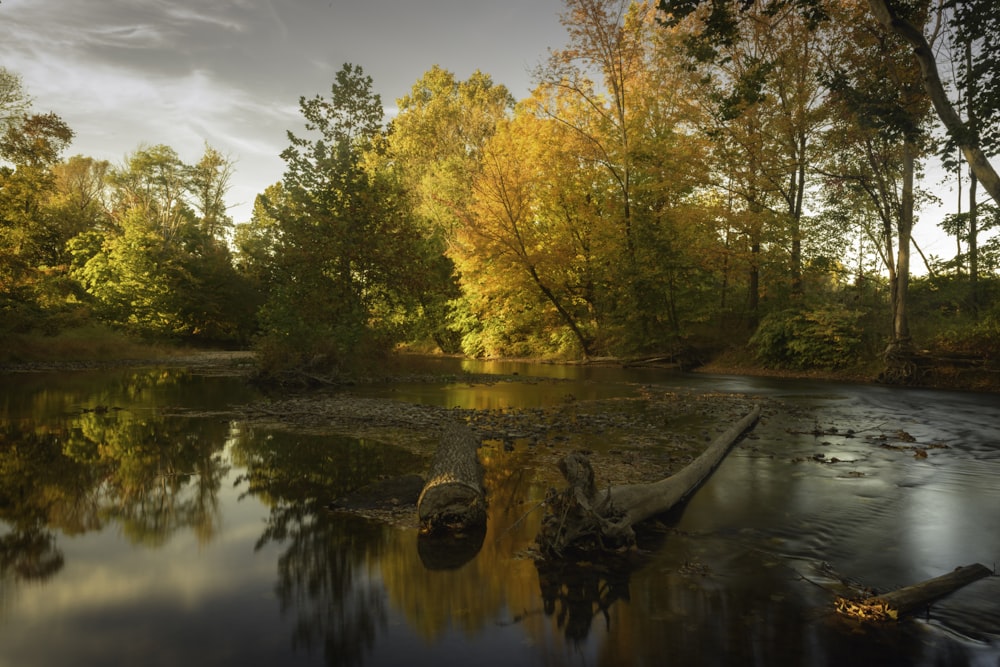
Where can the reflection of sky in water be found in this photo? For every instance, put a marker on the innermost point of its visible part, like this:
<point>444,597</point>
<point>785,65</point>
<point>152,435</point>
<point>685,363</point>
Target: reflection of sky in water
<point>116,603</point>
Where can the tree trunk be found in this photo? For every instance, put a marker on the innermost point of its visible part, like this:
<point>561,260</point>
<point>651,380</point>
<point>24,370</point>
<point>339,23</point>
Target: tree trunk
<point>900,366</point>
<point>583,518</point>
<point>902,601</point>
<point>924,55</point>
<point>453,499</point>
<point>973,204</point>
<point>973,247</point>
<point>901,319</point>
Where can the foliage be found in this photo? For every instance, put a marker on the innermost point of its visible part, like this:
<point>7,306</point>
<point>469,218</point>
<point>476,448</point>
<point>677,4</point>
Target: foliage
<point>674,176</point>
<point>827,336</point>
<point>348,259</point>
<point>980,339</point>
<point>30,234</point>
<point>583,233</point>
<point>974,45</point>
<point>154,266</point>
<point>437,139</point>
<point>950,321</point>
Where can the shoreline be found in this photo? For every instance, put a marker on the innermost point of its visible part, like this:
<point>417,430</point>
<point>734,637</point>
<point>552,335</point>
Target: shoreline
<point>945,377</point>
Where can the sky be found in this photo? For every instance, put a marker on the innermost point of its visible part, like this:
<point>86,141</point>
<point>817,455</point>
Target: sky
<point>229,73</point>
<point>127,73</point>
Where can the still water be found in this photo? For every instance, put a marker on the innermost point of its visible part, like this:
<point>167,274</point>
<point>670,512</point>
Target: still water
<point>142,523</point>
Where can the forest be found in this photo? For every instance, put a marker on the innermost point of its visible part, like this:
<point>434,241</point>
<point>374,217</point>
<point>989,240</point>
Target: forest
<point>688,179</point>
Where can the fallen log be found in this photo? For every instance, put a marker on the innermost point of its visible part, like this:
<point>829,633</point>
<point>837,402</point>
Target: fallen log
<point>901,601</point>
<point>453,498</point>
<point>581,517</point>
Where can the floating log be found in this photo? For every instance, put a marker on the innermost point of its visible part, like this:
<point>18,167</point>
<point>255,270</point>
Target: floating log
<point>453,499</point>
<point>901,601</point>
<point>581,517</point>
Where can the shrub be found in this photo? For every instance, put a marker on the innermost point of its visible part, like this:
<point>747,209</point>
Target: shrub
<point>827,337</point>
<point>981,339</point>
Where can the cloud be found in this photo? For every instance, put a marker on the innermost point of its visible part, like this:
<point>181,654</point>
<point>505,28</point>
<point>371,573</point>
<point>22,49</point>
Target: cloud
<point>182,72</point>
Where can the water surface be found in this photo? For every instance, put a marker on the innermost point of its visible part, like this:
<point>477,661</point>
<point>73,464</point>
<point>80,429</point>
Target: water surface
<point>132,532</point>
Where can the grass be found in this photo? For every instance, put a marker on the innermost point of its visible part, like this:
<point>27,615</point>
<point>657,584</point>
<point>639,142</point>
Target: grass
<point>92,342</point>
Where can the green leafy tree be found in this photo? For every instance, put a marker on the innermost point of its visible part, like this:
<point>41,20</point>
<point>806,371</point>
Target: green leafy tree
<point>210,180</point>
<point>80,202</point>
<point>348,250</point>
<point>257,242</point>
<point>157,267</point>
<point>30,238</point>
<point>14,100</point>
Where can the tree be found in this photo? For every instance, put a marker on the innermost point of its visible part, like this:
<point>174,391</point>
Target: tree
<point>156,267</point>
<point>257,241</point>
<point>81,200</point>
<point>879,88</point>
<point>14,101</point>
<point>435,143</point>
<point>348,253</point>
<point>211,178</point>
<point>762,97</point>
<point>721,19</point>
<point>972,46</point>
<point>607,43</point>
<point>439,134</point>
<point>154,184</point>
<point>875,79</point>
<point>908,26</point>
<point>28,237</point>
<point>622,101</point>
<point>515,256</point>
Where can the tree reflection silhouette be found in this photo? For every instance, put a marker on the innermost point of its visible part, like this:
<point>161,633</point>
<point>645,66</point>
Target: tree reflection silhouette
<point>71,471</point>
<point>322,579</point>
<point>576,594</point>
<point>326,561</point>
<point>31,555</point>
<point>34,479</point>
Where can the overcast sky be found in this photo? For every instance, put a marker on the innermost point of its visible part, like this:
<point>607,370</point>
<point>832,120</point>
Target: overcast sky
<point>123,73</point>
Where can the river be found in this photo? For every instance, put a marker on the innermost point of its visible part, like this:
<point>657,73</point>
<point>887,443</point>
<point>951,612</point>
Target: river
<point>141,522</point>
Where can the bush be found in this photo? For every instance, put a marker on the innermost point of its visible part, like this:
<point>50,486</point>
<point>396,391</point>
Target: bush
<point>824,337</point>
<point>978,339</point>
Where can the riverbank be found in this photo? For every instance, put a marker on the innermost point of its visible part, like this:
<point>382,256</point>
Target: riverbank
<point>935,372</point>
<point>949,373</point>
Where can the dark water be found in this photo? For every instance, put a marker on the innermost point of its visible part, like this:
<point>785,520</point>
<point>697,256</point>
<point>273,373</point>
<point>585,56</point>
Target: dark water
<point>139,524</point>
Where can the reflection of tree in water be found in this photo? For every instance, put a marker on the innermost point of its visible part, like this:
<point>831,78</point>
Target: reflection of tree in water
<point>323,570</point>
<point>30,555</point>
<point>577,594</point>
<point>167,478</point>
<point>322,580</point>
<point>77,472</point>
<point>26,555</point>
<point>34,483</point>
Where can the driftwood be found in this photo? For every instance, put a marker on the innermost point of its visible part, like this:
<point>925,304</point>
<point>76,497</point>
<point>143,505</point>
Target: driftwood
<point>901,601</point>
<point>453,499</point>
<point>581,517</point>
